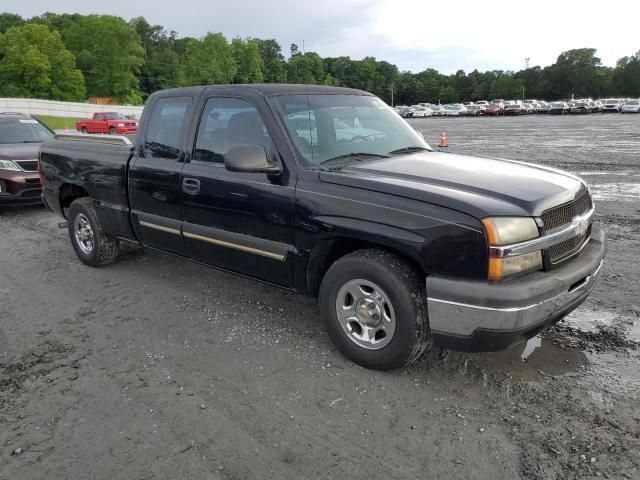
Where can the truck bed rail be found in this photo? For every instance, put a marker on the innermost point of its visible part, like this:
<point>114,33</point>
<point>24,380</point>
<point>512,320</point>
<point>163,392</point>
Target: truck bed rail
<point>110,139</point>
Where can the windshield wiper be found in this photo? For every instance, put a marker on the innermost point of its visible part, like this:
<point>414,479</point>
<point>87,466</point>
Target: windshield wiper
<point>410,149</point>
<point>354,156</point>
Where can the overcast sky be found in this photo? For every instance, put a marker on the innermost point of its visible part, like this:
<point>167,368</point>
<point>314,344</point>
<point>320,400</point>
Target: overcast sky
<point>413,34</point>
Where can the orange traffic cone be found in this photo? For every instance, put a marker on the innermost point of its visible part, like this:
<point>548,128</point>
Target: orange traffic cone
<point>66,129</point>
<point>443,140</point>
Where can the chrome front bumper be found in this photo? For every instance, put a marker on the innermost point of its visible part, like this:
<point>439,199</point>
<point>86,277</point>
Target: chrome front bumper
<point>487,316</point>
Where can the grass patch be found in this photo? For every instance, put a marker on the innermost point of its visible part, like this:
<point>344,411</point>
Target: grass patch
<point>59,123</point>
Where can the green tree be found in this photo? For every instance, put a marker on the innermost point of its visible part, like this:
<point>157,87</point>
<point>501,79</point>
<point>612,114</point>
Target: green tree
<point>162,66</point>
<point>575,73</point>
<point>209,60</point>
<point>272,63</point>
<point>306,68</point>
<point>34,63</point>
<point>8,20</point>
<point>626,77</point>
<point>109,53</point>
<point>247,58</point>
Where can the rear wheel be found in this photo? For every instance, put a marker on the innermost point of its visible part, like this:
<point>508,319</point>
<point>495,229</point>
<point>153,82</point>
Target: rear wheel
<point>84,130</point>
<point>373,305</point>
<point>93,246</point>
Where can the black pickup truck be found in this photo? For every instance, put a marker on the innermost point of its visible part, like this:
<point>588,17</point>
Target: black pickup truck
<point>328,192</point>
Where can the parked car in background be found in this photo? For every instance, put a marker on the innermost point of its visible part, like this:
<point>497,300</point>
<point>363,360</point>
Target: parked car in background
<point>454,110</point>
<point>108,122</point>
<point>559,108</point>
<point>528,107</point>
<point>580,107</point>
<point>20,139</point>
<point>475,110</point>
<point>493,110</point>
<point>422,111</point>
<point>611,105</point>
<point>482,102</point>
<point>437,110</point>
<point>514,109</point>
<point>402,110</point>
<point>543,107</point>
<point>631,106</point>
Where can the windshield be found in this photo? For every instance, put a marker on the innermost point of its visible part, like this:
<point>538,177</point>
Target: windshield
<point>115,116</point>
<point>349,127</point>
<point>23,130</point>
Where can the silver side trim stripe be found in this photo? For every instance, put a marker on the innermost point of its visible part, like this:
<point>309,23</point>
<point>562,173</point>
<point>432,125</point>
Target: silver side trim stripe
<point>215,241</point>
<point>235,246</point>
<point>159,227</point>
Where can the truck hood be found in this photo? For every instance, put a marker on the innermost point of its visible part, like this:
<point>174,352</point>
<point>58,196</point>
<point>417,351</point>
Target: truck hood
<point>476,186</point>
<point>19,151</point>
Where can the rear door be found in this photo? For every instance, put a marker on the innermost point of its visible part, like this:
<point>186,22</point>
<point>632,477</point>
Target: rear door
<point>154,177</point>
<point>98,124</point>
<point>241,222</point>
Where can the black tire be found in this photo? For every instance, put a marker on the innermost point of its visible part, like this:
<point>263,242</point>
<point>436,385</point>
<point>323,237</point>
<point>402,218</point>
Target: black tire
<point>405,288</point>
<point>84,130</point>
<point>105,248</point>
<point>112,131</point>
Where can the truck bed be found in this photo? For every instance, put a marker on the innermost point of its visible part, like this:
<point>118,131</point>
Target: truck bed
<point>96,164</point>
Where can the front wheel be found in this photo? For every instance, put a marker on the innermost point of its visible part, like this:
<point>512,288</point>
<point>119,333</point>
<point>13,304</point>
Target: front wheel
<point>373,305</point>
<point>112,131</point>
<point>92,245</point>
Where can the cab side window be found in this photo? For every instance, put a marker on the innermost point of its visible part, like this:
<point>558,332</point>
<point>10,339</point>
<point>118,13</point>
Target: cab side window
<point>227,122</point>
<point>164,132</point>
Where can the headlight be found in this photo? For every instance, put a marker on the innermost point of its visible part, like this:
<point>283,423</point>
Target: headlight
<point>121,125</point>
<point>8,165</point>
<point>505,231</point>
<point>500,268</point>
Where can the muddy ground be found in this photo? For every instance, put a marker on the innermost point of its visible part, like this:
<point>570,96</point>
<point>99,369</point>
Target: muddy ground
<point>154,368</point>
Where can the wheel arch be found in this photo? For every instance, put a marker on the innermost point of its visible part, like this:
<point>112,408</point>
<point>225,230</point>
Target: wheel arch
<point>328,250</point>
<point>68,193</point>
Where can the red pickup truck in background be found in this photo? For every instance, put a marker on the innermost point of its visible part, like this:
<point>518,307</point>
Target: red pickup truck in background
<point>108,122</point>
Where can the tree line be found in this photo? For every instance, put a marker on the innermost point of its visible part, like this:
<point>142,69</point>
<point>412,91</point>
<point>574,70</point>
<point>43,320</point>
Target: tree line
<point>72,57</point>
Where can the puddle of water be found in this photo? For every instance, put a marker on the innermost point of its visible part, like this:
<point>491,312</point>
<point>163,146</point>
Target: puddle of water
<point>534,360</point>
<point>615,191</point>
<point>585,320</point>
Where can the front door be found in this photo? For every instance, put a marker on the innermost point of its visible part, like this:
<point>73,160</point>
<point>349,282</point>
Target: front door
<point>241,222</point>
<point>154,185</point>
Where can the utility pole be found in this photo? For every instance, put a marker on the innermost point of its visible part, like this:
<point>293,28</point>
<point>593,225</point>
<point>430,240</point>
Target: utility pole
<point>392,88</point>
<point>526,63</point>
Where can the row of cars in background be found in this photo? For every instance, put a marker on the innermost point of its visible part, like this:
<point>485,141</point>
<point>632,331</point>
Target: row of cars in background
<point>519,107</point>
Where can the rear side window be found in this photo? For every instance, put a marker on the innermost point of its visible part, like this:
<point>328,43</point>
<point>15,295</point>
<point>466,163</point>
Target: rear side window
<point>227,122</point>
<point>164,131</point>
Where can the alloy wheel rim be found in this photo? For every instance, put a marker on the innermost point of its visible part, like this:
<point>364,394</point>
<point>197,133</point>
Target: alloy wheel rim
<point>365,314</point>
<point>84,233</point>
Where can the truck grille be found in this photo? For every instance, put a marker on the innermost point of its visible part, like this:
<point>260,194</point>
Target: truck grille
<point>562,250</point>
<point>28,165</point>
<point>563,214</point>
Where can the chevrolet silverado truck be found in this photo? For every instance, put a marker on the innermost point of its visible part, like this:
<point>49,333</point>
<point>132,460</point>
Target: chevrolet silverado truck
<point>328,192</point>
<point>113,123</point>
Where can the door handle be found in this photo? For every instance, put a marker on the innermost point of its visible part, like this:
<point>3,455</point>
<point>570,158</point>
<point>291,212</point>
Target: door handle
<point>191,186</point>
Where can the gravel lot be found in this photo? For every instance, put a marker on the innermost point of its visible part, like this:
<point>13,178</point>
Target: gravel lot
<point>155,368</point>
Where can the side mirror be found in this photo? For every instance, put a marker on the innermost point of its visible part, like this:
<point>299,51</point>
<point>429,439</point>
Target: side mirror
<point>250,159</point>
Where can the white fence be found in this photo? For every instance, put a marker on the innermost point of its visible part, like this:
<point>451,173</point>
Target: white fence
<point>62,109</point>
